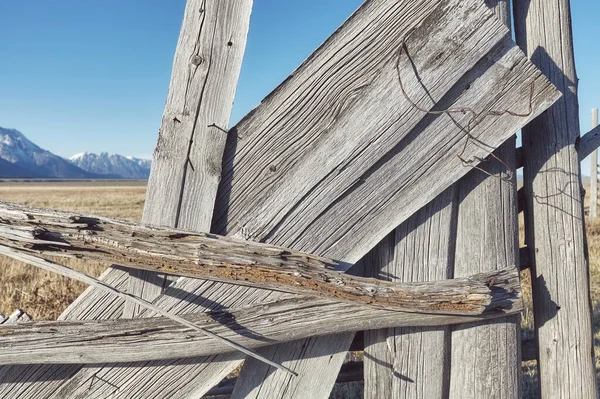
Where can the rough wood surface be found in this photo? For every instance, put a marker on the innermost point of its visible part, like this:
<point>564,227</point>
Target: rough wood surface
<point>388,155</point>
<point>555,218</point>
<point>159,338</point>
<point>223,259</point>
<point>335,199</point>
<point>18,316</point>
<point>485,358</point>
<point>186,167</point>
<point>412,362</point>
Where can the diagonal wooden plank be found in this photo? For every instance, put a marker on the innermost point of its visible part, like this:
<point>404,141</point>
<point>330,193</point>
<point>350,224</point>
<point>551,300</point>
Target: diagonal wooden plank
<point>183,183</point>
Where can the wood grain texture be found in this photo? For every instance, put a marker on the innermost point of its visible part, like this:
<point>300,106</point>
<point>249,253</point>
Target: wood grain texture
<point>486,358</point>
<point>589,142</point>
<point>287,319</point>
<point>555,218</point>
<point>352,199</point>
<point>413,362</point>
<point>331,175</point>
<point>223,259</point>
<point>186,167</point>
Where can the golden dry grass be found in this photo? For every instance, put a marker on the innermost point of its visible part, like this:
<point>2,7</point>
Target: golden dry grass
<point>45,295</point>
<point>42,294</point>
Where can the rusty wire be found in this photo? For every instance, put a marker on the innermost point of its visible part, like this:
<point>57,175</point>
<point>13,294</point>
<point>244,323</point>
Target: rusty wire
<point>476,119</point>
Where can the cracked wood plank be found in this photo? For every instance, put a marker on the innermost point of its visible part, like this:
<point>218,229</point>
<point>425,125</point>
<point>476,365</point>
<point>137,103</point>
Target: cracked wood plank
<point>284,320</point>
<point>48,232</point>
<point>555,218</point>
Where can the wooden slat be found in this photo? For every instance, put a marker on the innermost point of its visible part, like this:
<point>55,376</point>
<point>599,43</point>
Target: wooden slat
<point>555,218</point>
<point>183,182</point>
<point>589,142</point>
<point>287,319</point>
<point>413,362</point>
<point>486,358</point>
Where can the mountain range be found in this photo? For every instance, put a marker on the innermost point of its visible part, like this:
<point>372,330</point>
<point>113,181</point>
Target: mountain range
<point>20,158</point>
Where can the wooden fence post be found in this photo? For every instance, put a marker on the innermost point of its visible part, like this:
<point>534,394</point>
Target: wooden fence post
<point>560,272</point>
<point>594,173</point>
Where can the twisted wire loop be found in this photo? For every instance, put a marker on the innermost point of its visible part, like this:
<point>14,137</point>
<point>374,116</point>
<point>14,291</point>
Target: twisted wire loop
<point>476,119</point>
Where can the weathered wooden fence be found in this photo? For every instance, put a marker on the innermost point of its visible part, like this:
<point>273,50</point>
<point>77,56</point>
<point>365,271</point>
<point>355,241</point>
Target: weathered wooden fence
<point>403,121</point>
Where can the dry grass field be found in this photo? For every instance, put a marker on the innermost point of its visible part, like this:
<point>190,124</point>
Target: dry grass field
<point>42,294</point>
<point>45,295</point>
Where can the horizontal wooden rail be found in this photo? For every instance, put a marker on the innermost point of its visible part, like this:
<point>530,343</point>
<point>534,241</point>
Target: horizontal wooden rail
<point>158,338</point>
<point>588,143</point>
<point>46,233</point>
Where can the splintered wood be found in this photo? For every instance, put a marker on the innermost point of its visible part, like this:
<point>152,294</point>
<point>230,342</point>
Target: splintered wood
<point>346,149</point>
<point>31,232</point>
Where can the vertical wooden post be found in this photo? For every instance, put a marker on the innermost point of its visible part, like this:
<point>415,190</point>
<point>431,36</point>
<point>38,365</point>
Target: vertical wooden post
<point>560,270</point>
<point>486,358</point>
<point>594,173</point>
<point>413,362</point>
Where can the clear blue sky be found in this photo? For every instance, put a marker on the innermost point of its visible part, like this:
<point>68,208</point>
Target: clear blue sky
<point>92,75</point>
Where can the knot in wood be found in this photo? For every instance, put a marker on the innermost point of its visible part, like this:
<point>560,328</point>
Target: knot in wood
<point>197,60</point>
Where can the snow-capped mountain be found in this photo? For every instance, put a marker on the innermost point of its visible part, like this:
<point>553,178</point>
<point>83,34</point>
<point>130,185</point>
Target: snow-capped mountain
<point>22,158</point>
<point>113,164</point>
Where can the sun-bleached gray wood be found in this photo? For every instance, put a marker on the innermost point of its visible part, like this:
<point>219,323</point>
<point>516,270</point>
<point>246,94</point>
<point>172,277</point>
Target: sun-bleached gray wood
<point>589,142</point>
<point>412,362</point>
<point>186,166</point>
<point>555,218</point>
<point>385,178</point>
<point>486,358</point>
<point>18,316</point>
<point>284,320</point>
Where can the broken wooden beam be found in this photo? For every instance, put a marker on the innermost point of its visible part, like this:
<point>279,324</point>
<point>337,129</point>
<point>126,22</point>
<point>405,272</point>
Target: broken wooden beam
<point>293,318</point>
<point>45,232</point>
